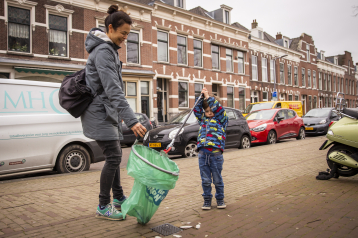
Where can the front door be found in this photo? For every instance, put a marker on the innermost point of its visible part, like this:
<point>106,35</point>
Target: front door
<point>162,99</point>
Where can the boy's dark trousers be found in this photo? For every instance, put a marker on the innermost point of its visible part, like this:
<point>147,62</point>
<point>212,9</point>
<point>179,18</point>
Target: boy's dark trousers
<point>110,176</point>
<point>211,165</point>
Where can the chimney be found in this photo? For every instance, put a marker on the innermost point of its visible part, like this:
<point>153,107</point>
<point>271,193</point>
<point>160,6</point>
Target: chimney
<point>254,24</point>
<point>278,36</point>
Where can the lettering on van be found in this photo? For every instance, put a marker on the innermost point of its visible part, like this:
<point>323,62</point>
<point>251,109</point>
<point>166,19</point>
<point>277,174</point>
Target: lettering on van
<point>31,102</point>
<point>18,162</point>
<point>2,163</point>
<point>294,106</point>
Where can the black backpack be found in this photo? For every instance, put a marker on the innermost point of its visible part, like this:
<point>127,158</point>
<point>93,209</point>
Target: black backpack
<point>74,95</point>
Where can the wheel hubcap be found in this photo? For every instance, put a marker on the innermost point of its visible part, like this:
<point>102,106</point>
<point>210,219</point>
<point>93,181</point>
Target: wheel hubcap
<point>75,161</point>
<point>302,134</point>
<point>272,138</point>
<point>190,150</point>
<point>245,143</point>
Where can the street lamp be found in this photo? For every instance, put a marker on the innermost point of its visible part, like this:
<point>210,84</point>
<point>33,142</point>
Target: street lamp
<point>274,85</point>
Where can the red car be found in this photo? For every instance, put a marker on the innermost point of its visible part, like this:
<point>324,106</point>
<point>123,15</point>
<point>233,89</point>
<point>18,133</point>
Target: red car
<point>270,125</point>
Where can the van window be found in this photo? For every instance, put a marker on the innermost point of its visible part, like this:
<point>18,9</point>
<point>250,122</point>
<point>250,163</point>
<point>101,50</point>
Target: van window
<point>278,105</point>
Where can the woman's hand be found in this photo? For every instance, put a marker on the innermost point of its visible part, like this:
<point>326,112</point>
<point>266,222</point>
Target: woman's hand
<point>139,129</point>
<point>205,92</point>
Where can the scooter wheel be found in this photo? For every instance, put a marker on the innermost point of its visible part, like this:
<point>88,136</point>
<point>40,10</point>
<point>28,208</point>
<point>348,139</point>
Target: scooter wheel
<point>343,170</point>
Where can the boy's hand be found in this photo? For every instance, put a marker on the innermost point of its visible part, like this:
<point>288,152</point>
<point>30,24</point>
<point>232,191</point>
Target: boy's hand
<point>205,92</point>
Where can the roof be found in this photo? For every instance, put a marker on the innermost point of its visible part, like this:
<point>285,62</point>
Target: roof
<point>269,38</point>
<point>146,2</point>
<point>200,11</point>
<point>294,43</point>
<point>238,25</point>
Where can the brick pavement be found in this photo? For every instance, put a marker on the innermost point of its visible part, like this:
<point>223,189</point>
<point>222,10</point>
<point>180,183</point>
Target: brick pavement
<point>270,192</point>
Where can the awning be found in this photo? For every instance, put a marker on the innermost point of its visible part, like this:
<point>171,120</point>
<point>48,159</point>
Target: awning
<point>43,71</point>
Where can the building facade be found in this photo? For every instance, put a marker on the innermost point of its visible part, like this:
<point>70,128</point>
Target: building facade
<point>172,53</point>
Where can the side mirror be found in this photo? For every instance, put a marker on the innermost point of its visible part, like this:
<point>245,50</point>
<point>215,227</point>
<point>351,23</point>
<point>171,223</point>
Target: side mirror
<point>280,119</point>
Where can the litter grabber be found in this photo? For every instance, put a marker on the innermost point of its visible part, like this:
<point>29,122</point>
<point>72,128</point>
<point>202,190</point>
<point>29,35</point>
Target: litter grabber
<point>154,175</point>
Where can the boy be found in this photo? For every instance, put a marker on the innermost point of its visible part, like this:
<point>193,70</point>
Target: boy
<point>211,142</point>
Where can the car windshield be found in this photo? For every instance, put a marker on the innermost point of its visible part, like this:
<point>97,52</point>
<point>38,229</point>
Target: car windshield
<point>260,115</point>
<point>318,112</point>
<point>259,106</point>
<point>180,118</point>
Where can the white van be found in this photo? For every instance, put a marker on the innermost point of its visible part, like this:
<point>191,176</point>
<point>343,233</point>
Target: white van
<point>37,134</point>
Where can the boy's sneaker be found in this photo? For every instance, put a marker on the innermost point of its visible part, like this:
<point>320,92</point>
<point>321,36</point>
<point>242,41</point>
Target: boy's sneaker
<point>117,203</point>
<point>207,204</point>
<point>109,212</point>
<point>220,204</point>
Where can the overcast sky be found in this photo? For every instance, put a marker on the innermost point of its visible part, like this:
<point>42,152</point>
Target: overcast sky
<point>330,22</point>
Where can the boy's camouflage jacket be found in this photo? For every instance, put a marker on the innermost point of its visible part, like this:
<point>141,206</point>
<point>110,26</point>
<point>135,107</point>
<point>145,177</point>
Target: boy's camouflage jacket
<point>212,132</point>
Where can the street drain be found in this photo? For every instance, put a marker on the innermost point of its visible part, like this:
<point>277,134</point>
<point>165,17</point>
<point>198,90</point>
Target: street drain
<point>166,229</point>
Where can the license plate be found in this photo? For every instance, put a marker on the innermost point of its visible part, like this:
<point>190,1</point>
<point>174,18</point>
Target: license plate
<point>155,144</point>
<point>309,128</point>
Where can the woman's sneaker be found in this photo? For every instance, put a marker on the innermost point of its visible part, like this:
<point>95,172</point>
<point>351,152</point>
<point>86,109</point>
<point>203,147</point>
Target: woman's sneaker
<point>109,212</point>
<point>220,204</point>
<point>117,203</point>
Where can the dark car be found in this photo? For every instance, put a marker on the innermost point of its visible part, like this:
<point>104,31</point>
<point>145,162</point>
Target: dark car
<point>237,134</point>
<point>128,134</point>
<point>318,120</point>
<point>271,125</point>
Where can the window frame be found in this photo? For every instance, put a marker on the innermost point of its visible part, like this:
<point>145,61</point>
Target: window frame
<point>231,60</point>
<point>272,71</point>
<point>167,42</point>
<point>267,96</point>
<point>252,68</point>
<point>242,106</point>
<point>186,50</point>
<point>303,77</point>
<point>28,25</point>
<point>309,81</point>
<point>314,83</point>
<point>264,75</point>
<point>232,95</point>
<point>195,92</point>
<point>295,76</point>
<point>218,57</point>
<point>187,93</point>
<point>67,37</point>
<point>201,52</point>
<point>289,75</point>
<point>243,61</point>
<point>139,43</point>
<point>282,73</point>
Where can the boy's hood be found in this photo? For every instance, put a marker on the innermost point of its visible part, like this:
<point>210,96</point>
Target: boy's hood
<point>97,37</point>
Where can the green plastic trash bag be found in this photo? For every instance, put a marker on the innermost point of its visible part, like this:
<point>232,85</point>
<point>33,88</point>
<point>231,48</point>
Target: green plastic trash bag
<point>151,185</point>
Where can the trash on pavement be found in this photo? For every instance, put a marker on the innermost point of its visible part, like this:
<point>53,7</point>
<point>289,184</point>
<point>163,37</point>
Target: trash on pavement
<point>198,226</point>
<point>186,227</point>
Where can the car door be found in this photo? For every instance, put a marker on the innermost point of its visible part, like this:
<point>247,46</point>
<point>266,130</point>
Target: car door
<point>291,127</point>
<point>281,126</point>
<point>232,128</point>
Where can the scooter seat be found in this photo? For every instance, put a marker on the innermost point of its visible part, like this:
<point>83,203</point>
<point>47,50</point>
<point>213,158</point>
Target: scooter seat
<point>351,112</point>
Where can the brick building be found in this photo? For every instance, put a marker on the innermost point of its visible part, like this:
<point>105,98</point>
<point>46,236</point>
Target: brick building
<point>171,53</point>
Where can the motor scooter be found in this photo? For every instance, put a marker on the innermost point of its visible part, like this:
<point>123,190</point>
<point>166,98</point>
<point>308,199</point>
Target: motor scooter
<point>342,135</point>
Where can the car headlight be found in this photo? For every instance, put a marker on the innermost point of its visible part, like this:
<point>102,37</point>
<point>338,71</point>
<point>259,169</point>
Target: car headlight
<point>260,128</point>
<point>330,132</point>
<point>323,121</point>
<point>174,132</point>
<point>146,136</point>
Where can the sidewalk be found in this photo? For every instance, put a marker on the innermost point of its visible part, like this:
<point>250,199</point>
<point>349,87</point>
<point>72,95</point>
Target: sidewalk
<point>270,190</point>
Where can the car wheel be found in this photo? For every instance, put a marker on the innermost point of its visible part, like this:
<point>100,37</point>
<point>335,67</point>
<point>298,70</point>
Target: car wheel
<point>271,137</point>
<point>301,134</point>
<point>190,149</point>
<point>245,142</point>
<point>72,159</point>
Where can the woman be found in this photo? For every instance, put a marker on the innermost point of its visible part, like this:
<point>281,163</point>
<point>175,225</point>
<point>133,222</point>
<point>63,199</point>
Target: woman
<point>102,119</point>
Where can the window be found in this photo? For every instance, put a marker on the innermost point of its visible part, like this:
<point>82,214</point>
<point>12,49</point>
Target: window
<point>296,98</point>
<point>181,41</point>
<point>290,97</point>
<point>282,73</point>
<point>264,96</point>
<point>131,94</point>
<point>198,87</point>
<point>229,67</point>
<point>314,85</point>
<point>215,56</point>
<point>242,98</point>
<point>163,46</point>
<point>308,53</point>
<point>291,113</point>
<point>183,94</point>
<point>260,35</point>
<point>272,71</point>
<point>342,87</point>
<point>289,74</point>
<point>180,3</point>
<point>241,61</point>
<point>309,78</point>
<point>295,75</point>
<point>329,83</point>
<point>324,82</point>
<point>264,69</point>
<point>338,84</point>
<point>198,53</point>
<point>57,35</point>
<point>286,43</point>
<point>4,75</point>
<point>254,67</point>
<point>309,102</point>
<point>314,102</point>
<point>215,89</point>
<point>18,29</point>
<point>144,91</point>
<point>303,77</point>
<point>227,19</point>
<point>133,48</point>
<point>320,80</point>
<point>230,96</point>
